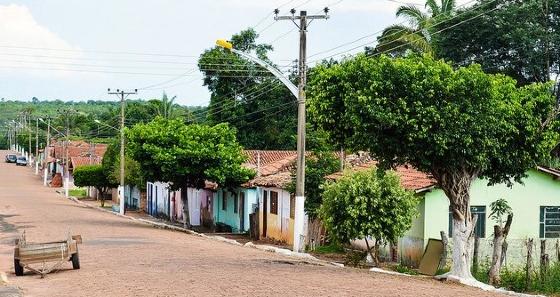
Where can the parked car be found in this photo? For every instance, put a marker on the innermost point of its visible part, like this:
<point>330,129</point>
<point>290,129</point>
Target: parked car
<point>11,158</point>
<point>21,161</point>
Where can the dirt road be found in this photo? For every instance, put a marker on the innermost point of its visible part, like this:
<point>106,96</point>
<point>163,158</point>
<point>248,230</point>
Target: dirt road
<point>123,258</point>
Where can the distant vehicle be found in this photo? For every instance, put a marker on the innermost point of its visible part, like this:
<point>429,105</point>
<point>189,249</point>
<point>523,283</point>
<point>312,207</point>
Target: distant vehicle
<point>11,158</point>
<point>21,161</point>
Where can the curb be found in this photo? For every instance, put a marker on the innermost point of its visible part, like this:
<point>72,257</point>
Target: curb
<point>267,248</point>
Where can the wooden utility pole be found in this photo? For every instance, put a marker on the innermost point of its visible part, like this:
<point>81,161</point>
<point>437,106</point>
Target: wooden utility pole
<point>304,21</point>
<point>122,94</point>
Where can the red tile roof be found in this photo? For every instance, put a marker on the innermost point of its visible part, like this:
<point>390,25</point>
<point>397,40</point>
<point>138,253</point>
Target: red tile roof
<point>77,149</point>
<point>411,179</point>
<point>82,161</point>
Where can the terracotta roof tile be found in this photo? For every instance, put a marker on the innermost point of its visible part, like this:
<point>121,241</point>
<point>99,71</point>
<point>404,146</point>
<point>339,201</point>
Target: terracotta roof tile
<point>83,161</point>
<point>411,179</point>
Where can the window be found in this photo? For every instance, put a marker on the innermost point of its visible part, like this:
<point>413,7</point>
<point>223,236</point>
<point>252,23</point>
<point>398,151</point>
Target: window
<point>273,202</point>
<point>292,206</point>
<point>235,204</point>
<point>480,228</point>
<point>550,222</point>
<point>224,201</point>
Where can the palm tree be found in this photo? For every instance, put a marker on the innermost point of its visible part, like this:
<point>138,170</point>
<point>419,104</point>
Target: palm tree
<point>166,107</point>
<point>398,40</point>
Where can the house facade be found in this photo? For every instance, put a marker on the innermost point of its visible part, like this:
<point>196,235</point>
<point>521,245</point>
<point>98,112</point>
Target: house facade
<point>535,204</point>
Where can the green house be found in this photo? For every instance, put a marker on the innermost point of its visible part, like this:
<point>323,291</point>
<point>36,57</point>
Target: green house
<point>535,204</point>
<point>536,214</point>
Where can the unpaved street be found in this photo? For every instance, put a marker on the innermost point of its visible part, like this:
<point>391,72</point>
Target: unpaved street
<point>122,258</point>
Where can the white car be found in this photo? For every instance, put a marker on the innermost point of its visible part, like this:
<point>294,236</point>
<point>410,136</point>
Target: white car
<point>21,161</point>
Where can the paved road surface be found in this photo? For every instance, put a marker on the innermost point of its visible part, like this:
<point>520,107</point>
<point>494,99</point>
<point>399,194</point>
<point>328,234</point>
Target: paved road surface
<point>122,258</point>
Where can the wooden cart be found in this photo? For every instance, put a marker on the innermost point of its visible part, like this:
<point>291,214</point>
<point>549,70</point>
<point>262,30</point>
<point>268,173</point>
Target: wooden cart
<point>50,255</point>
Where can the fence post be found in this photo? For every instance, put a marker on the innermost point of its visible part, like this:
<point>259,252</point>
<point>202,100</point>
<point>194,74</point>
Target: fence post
<point>443,260</point>
<point>544,261</point>
<point>529,266</point>
<point>475,253</point>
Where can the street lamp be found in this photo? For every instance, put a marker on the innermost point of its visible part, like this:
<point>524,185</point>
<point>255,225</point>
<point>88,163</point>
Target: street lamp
<point>300,180</point>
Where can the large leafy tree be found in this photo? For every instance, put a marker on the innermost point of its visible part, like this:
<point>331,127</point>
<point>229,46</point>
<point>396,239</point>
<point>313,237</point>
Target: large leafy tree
<point>247,97</point>
<point>367,204</point>
<point>527,49</point>
<point>111,166</point>
<point>188,155</point>
<point>416,36</point>
<point>456,125</point>
<point>93,176</point>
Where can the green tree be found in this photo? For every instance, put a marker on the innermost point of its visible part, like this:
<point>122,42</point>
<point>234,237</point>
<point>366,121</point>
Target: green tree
<point>321,162</point>
<point>247,97</point>
<point>367,204</point>
<point>132,170</point>
<point>527,49</point>
<point>93,176</point>
<point>456,125</point>
<point>188,155</point>
<point>417,36</point>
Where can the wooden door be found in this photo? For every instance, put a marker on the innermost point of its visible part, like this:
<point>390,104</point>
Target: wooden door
<point>265,211</point>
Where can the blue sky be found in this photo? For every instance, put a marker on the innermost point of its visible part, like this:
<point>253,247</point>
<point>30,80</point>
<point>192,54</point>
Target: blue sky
<point>75,50</point>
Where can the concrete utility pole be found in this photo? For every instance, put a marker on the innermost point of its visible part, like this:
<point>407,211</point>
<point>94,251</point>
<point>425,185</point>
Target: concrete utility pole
<point>67,162</point>
<point>37,147</point>
<point>304,21</point>
<point>122,94</point>
<point>46,151</point>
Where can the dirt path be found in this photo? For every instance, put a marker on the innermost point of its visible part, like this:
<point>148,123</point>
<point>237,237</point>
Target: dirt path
<point>122,258</point>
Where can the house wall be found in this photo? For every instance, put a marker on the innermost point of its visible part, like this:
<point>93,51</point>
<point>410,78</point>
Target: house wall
<point>229,216</point>
<point>538,190</point>
<point>279,226</point>
<point>158,199</point>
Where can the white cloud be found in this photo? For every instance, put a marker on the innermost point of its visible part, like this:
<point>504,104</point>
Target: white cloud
<point>20,34</point>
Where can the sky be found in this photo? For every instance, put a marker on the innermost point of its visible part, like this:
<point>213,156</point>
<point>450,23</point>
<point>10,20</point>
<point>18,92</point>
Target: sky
<point>77,49</point>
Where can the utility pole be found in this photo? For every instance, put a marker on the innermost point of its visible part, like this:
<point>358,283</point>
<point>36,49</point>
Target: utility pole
<point>46,152</point>
<point>122,94</point>
<point>304,21</point>
<point>37,147</point>
<point>67,163</point>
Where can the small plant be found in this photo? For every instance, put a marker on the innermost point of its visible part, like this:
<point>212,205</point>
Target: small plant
<point>355,258</point>
<point>405,269</point>
<point>331,248</point>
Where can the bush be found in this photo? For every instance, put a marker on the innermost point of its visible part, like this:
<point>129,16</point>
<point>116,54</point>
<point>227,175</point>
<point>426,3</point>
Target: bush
<point>515,279</point>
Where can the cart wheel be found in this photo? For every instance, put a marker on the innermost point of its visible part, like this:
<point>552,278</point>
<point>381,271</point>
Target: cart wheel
<point>18,268</point>
<point>75,260</point>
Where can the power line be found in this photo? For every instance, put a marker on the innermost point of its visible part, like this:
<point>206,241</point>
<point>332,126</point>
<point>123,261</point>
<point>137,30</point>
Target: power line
<point>375,34</point>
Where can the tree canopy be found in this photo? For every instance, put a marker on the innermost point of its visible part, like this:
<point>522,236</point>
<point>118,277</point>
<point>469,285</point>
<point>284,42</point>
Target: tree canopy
<point>187,155</point>
<point>454,124</point>
<point>93,176</point>
<point>527,49</point>
<point>247,96</point>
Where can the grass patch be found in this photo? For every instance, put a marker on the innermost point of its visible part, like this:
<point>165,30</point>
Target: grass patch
<point>515,279</point>
<point>332,248</point>
<point>405,269</point>
<point>78,193</point>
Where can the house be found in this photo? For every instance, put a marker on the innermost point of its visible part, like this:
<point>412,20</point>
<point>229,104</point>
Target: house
<point>212,206</point>
<point>535,205</point>
<point>233,207</point>
<point>79,153</point>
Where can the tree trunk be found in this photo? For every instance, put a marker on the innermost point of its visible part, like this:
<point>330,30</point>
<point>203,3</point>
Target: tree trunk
<point>500,234</point>
<point>456,184</point>
<point>461,252</point>
<point>374,254</point>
